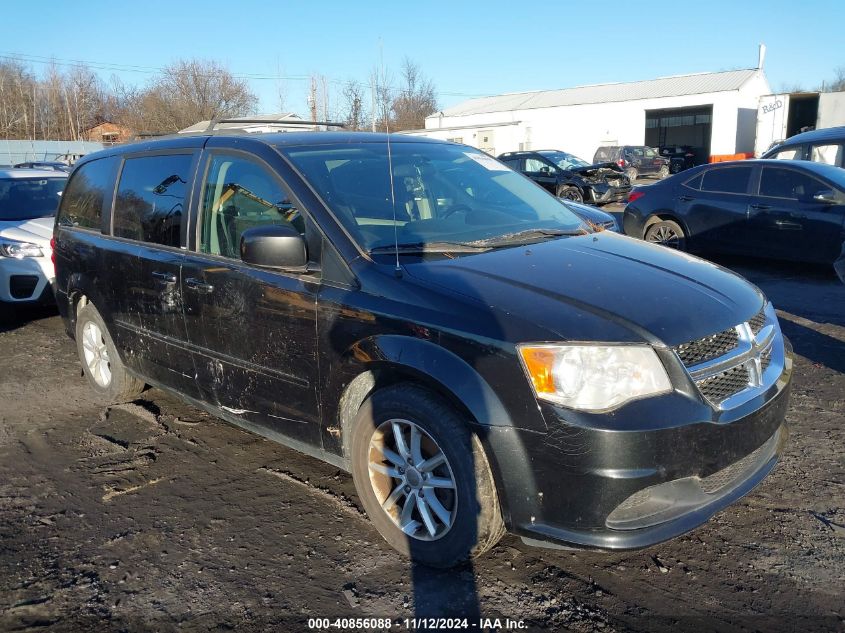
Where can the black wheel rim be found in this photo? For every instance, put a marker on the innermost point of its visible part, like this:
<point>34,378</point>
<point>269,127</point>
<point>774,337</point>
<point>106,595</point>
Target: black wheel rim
<point>572,194</point>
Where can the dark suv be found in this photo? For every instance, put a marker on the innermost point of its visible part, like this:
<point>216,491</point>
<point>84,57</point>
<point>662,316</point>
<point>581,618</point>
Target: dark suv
<point>569,177</point>
<point>417,313</point>
<point>636,160</point>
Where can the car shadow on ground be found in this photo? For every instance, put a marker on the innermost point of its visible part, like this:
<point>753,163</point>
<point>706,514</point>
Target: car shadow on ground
<point>17,316</point>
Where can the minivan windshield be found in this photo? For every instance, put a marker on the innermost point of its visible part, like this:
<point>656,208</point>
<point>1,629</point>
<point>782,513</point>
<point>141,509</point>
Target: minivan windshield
<point>447,197</point>
<point>563,160</point>
<point>28,198</point>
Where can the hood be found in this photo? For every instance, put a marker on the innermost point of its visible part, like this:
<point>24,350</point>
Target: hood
<point>589,170</point>
<point>600,287</point>
<point>38,230</point>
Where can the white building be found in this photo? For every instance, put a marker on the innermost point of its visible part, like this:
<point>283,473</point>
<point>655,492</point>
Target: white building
<point>714,112</point>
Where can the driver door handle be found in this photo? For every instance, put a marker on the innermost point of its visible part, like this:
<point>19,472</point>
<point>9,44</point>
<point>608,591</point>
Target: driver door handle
<point>168,278</point>
<point>760,207</point>
<point>686,198</point>
<point>198,285</point>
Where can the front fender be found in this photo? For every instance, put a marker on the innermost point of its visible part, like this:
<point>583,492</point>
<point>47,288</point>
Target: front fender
<point>431,362</point>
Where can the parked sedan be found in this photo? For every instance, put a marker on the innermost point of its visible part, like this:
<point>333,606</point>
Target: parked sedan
<point>28,202</point>
<point>781,209</point>
<point>570,177</point>
<point>45,164</point>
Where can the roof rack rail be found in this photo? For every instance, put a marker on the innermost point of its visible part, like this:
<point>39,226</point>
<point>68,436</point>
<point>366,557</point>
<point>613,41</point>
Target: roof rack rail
<point>214,122</point>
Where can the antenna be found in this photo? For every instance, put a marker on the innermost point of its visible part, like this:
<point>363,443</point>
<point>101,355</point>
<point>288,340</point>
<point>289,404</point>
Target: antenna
<point>397,270</point>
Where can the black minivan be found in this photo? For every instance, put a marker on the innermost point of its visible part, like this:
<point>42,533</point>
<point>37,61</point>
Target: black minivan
<point>415,312</point>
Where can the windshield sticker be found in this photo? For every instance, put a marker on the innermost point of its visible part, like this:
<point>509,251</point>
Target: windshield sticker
<point>486,161</point>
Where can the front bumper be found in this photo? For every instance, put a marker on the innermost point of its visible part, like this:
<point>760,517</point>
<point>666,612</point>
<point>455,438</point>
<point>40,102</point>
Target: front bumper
<point>640,483</point>
<point>605,194</point>
<point>26,280</point>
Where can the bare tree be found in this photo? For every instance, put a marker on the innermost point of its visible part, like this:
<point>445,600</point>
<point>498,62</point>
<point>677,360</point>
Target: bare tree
<point>837,84</point>
<point>415,99</point>
<point>353,104</point>
<point>382,98</point>
<point>16,100</point>
<point>188,92</point>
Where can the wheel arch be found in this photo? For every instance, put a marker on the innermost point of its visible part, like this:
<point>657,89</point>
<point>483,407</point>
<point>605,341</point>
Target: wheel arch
<point>81,291</point>
<point>660,216</point>
<point>392,359</point>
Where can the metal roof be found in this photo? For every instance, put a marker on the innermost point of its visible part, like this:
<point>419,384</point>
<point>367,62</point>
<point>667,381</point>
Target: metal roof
<point>21,151</point>
<point>605,93</point>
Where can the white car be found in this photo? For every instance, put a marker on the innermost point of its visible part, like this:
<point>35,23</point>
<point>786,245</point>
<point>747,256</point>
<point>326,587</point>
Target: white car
<point>28,202</point>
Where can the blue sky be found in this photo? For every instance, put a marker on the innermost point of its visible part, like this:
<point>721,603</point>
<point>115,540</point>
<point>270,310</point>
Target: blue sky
<point>466,48</point>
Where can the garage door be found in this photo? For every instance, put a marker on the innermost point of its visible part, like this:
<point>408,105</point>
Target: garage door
<point>681,126</point>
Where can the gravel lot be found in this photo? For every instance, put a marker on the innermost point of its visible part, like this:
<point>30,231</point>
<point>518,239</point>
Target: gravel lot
<point>155,516</point>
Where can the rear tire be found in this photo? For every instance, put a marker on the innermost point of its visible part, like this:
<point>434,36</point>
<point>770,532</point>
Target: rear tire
<point>414,508</point>
<point>666,233</point>
<point>632,174</point>
<point>664,172</point>
<point>100,361</point>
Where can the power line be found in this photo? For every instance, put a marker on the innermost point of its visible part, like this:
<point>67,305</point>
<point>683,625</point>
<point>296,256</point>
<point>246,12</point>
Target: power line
<point>151,70</point>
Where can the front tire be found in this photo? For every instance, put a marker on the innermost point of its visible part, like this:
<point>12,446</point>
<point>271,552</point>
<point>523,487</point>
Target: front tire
<point>664,172</point>
<point>667,233</point>
<point>423,478</point>
<point>100,361</point>
<point>569,192</point>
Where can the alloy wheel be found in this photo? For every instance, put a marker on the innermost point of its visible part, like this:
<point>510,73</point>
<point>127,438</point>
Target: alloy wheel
<point>412,480</point>
<point>665,235</point>
<point>96,354</point>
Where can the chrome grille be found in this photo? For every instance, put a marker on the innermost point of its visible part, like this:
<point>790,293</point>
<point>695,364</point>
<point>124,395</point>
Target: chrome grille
<point>734,361</point>
<point>757,322</point>
<point>766,358</point>
<point>721,386</point>
<point>707,348</point>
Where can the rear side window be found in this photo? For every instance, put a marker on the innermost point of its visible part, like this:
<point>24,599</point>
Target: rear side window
<point>89,190</point>
<point>827,154</point>
<point>727,179</point>
<point>150,203</point>
<point>777,182</point>
<point>694,183</point>
<point>789,153</point>
<point>606,155</point>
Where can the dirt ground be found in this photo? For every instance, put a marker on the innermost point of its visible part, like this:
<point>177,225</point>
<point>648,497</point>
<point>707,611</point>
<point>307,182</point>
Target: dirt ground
<point>155,516</point>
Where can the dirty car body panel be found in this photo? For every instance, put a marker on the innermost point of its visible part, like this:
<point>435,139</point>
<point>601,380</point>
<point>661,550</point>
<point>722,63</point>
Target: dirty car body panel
<point>292,354</point>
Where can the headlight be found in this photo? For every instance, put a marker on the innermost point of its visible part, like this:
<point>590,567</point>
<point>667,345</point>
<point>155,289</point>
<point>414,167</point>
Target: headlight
<point>593,377</point>
<point>19,250</point>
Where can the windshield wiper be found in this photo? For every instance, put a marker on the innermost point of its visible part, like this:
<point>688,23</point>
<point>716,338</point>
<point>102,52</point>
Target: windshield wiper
<point>431,247</point>
<point>525,236</point>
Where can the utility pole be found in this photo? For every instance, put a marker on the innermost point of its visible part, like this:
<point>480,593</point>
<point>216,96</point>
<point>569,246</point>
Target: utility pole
<point>312,99</point>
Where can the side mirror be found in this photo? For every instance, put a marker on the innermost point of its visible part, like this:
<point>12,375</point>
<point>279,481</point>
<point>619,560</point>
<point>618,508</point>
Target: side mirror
<point>274,246</point>
<point>826,196</point>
